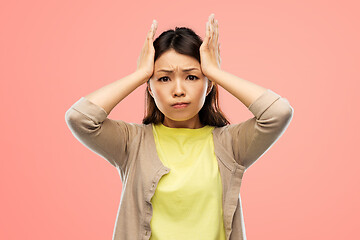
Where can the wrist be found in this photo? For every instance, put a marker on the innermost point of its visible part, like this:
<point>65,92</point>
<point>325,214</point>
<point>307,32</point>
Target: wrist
<point>212,73</point>
<point>142,75</point>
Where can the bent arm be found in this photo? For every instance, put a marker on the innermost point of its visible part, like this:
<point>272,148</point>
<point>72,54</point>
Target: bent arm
<point>87,119</point>
<point>108,138</point>
<point>110,95</point>
<point>247,92</point>
<point>272,115</point>
<point>252,138</point>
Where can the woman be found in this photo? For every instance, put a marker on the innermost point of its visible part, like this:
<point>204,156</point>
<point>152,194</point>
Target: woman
<point>181,169</point>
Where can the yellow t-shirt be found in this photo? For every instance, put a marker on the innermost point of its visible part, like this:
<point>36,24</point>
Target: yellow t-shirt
<point>187,203</point>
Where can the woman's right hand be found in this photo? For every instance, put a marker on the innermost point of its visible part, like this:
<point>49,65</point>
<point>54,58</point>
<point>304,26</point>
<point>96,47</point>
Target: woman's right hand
<point>145,61</point>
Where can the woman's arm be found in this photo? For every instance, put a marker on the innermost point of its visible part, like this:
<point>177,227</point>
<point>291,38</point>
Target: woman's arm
<point>110,95</point>
<point>247,92</point>
<point>272,113</point>
<point>106,137</point>
<point>87,118</point>
<point>253,137</point>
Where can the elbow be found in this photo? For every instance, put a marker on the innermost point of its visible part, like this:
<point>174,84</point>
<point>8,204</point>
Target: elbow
<point>70,116</point>
<point>286,109</point>
<point>70,119</point>
<point>287,114</point>
<point>290,110</point>
<point>75,120</point>
<point>79,122</point>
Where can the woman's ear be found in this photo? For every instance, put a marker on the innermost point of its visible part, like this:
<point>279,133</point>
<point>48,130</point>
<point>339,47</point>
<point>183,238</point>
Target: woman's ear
<point>210,86</point>
<point>149,88</point>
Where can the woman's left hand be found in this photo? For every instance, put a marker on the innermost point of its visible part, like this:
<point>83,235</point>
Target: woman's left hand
<point>210,48</point>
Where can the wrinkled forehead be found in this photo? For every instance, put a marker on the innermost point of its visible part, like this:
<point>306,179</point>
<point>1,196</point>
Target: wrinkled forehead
<point>174,61</point>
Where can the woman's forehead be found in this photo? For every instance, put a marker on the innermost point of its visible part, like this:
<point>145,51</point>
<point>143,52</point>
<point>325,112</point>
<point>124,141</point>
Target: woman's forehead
<point>177,66</point>
<point>175,61</point>
<point>177,69</point>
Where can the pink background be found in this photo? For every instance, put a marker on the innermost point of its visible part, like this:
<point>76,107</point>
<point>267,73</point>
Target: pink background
<point>54,52</point>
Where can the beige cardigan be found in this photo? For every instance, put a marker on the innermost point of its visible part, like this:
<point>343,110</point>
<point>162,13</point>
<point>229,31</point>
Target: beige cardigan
<point>130,147</point>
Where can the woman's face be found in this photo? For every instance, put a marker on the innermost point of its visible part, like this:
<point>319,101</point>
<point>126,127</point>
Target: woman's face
<point>168,88</point>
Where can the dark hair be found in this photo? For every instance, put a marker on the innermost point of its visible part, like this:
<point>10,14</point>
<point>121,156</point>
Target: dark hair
<point>184,41</point>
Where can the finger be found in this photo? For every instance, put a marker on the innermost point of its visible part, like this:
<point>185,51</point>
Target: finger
<point>211,31</point>
<point>207,33</point>
<point>216,33</point>
<point>151,33</point>
<point>150,36</point>
<point>155,25</point>
<point>146,42</point>
<point>210,16</point>
<point>207,29</point>
<point>151,30</point>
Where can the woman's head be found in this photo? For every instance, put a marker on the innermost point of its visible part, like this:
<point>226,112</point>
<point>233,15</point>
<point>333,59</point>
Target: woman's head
<point>178,50</point>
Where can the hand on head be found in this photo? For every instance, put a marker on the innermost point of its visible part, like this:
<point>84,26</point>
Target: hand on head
<point>145,61</point>
<point>210,48</point>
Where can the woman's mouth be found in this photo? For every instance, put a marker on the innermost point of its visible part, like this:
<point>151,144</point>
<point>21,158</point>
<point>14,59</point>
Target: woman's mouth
<point>182,105</point>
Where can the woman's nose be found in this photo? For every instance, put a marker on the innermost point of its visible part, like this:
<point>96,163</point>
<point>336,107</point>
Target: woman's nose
<point>178,89</point>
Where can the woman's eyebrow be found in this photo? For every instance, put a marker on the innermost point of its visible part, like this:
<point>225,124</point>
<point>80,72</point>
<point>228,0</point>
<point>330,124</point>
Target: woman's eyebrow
<point>184,70</point>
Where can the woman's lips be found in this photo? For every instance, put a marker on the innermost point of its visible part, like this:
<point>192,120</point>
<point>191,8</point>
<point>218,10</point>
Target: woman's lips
<point>180,105</point>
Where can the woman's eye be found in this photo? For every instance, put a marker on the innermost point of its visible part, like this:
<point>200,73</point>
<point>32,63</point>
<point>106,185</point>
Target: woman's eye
<point>160,79</point>
<point>193,77</point>
<point>165,79</point>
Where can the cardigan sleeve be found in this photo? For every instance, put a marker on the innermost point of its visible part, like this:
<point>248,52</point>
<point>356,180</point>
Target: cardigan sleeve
<point>252,138</point>
<point>106,137</point>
